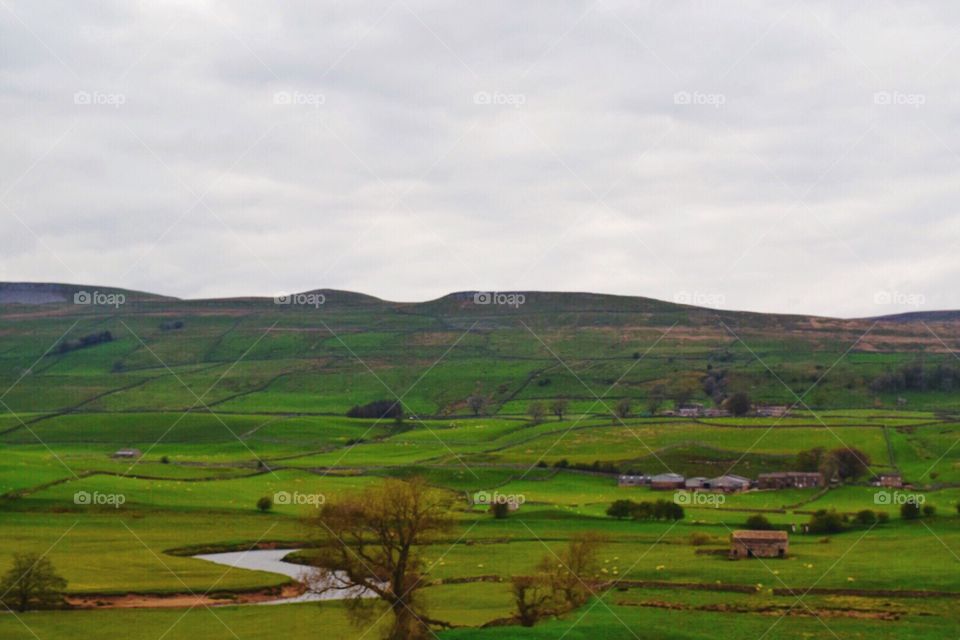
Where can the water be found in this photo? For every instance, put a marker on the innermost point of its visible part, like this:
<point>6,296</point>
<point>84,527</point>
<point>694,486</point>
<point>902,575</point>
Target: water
<point>271,561</point>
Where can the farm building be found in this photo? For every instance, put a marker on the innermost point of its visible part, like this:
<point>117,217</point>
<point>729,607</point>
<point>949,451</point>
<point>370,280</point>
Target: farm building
<point>692,410</point>
<point>127,453</point>
<point>790,480</point>
<point>729,483</point>
<point>695,483</point>
<point>758,544</point>
<point>627,480</point>
<point>716,413</point>
<point>666,481</point>
<point>890,480</point>
<point>772,410</point>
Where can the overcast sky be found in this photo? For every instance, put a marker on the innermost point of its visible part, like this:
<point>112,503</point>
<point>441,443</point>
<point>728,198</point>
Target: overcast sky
<point>784,156</point>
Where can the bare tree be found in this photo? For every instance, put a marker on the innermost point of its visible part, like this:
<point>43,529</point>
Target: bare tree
<point>477,403</point>
<point>623,408</point>
<point>536,411</point>
<point>369,544</point>
<point>559,407</point>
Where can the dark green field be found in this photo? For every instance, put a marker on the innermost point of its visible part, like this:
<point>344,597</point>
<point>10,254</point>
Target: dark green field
<point>231,400</point>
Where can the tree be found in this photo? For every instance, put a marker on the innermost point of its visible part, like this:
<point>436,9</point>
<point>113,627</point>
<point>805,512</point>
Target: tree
<point>910,510</point>
<point>370,542</point>
<point>738,404</point>
<point>824,521</point>
<point>621,509</point>
<point>849,463</point>
<point>623,408</point>
<point>477,404</point>
<point>532,598</point>
<point>570,572</point>
<point>811,459</point>
<point>32,583</point>
<point>536,411</point>
<point>866,517</point>
<point>759,522</point>
<point>500,510</point>
<point>929,511</point>
<point>264,504</point>
<point>655,399</point>
<point>559,407</point>
<point>562,580</point>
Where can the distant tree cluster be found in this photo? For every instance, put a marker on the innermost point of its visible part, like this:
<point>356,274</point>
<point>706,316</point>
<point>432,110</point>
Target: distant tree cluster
<point>659,510</point>
<point>847,463</point>
<point>918,377</point>
<point>824,521</point>
<point>171,325</point>
<point>377,409</point>
<point>86,341</point>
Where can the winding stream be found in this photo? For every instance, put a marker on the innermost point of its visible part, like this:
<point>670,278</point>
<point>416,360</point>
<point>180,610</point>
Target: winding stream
<point>271,561</point>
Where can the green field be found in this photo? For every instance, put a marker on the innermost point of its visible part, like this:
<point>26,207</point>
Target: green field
<point>249,399</point>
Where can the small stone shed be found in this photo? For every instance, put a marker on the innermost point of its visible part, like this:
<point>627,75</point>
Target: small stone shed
<point>758,544</point>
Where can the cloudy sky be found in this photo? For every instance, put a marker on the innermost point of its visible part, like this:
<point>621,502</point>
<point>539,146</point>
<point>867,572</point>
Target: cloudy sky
<point>774,156</point>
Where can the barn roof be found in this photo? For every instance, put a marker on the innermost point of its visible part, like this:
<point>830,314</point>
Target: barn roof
<point>749,534</point>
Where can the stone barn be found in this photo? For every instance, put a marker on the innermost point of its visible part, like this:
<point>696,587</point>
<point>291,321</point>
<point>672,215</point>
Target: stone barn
<point>758,544</point>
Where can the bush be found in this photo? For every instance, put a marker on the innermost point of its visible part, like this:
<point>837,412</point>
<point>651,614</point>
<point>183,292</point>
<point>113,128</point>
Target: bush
<point>500,510</point>
<point>929,511</point>
<point>264,504</point>
<point>866,517</point>
<point>910,511</point>
<point>377,409</point>
<point>883,517</point>
<point>759,522</point>
<point>824,521</point>
<point>621,509</point>
<point>698,539</point>
<point>31,583</point>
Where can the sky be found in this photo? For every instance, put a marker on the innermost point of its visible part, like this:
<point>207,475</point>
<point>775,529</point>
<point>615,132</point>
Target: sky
<point>799,157</point>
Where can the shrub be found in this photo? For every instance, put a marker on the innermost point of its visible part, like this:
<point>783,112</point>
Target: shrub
<point>264,504</point>
<point>824,521</point>
<point>866,517</point>
<point>910,511</point>
<point>883,517</point>
<point>929,511</point>
<point>621,509</point>
<point>698,539</point>
<point>758,522</point>
<point>500,510</point>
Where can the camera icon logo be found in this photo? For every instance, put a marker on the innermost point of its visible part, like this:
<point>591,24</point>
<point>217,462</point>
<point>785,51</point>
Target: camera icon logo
<point>882,498</point>
<point>282,97</point>
<point>681,498</point>
<point>82,297</point>
<point>482,497</point>
<point>482,297</point>
<point>682,97</point>
<point>82,497</point>
<point>282,298</point>
<point>281,497</point>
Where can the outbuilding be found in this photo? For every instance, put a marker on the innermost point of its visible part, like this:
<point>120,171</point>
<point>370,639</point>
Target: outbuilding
<point>747,543</point>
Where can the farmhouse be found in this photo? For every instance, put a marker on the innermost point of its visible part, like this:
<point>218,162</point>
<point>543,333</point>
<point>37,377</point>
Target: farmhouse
<point>666,481</point>
<point>758,544</point>
<point>889,480</point>
<point>694,483</point>
<point>716,413</point>
<point>127,453</point>
<point>692,410</point>
<point>772,410</point>
<point>790,480</point>
<point>631,481</point>
<point>729,483</point>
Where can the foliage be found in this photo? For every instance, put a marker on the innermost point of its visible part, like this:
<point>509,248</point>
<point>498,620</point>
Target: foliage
<point>32,583</point>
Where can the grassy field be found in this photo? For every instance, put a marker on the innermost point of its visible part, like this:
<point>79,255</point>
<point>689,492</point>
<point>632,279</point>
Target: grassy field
<point>248,399</point>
